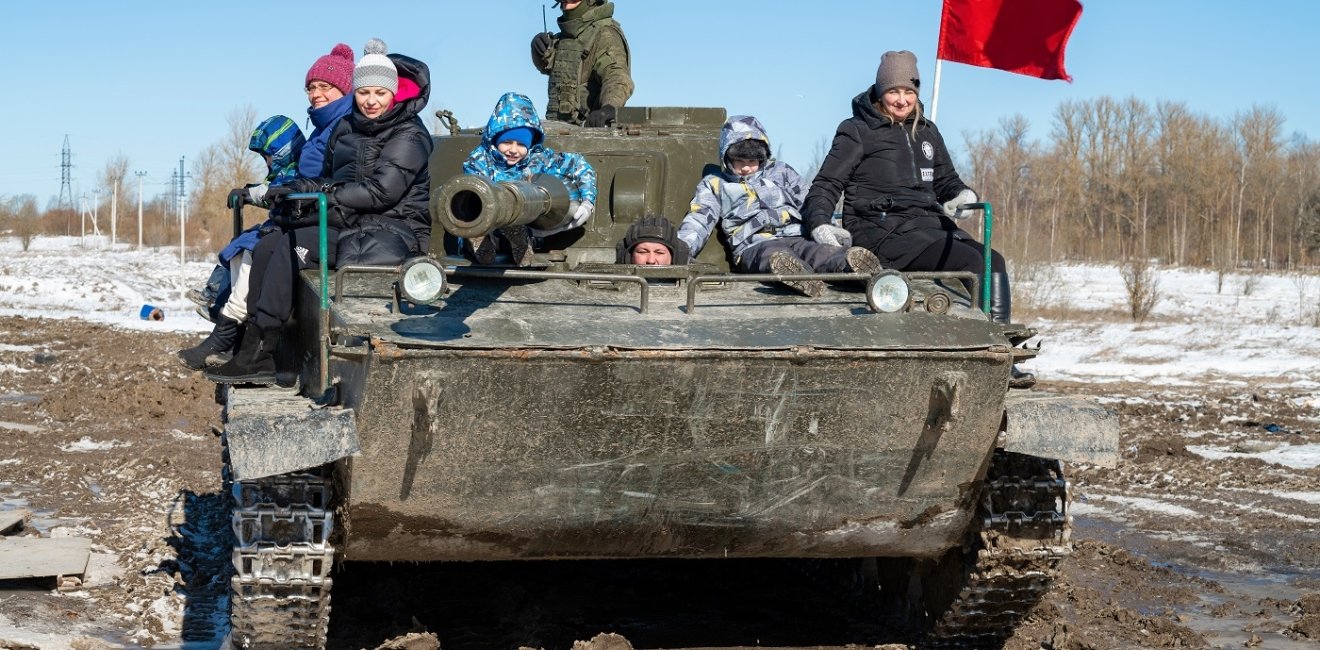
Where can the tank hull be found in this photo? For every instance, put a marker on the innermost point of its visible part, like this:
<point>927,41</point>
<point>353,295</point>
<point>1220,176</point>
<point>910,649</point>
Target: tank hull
<point>632,445</point>
<point>659,454</point>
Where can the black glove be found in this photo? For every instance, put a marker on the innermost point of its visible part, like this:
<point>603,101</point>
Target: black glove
<point>278,194</point>
<point>238,196</point>
<point>601,116</point>
<point>281,192</point>
<point>541,44</point>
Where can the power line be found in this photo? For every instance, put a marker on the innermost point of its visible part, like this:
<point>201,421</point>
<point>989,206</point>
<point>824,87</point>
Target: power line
<point>66,175</point>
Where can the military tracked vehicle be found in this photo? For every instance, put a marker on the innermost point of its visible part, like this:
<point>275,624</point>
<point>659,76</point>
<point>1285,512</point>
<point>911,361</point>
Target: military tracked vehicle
<point>579,408</point>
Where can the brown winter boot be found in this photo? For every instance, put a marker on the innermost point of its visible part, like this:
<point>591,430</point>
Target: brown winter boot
<point>786,263</point>
<point>861,260</point>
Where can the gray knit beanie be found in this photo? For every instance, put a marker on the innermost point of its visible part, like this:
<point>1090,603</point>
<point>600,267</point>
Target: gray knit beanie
<point>897,69</point>
<point>376,69</point>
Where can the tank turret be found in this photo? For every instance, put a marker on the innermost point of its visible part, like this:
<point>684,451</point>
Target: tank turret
<point>472,206</point>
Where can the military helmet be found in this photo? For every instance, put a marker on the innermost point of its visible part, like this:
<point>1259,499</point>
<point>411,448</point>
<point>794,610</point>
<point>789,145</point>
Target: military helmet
<point>651,229</point>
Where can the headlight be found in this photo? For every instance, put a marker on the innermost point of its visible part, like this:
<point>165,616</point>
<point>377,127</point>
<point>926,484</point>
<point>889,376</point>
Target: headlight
<point>888,292</point>
<point>422,281</point>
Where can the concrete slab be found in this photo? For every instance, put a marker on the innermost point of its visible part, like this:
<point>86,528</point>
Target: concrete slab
<point>64,558</point>
<point>12,521</point>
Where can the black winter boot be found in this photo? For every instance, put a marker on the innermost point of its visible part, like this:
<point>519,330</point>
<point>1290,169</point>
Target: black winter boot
<point>220,340</point>
<point>1001,311</point>
<point>254,362</point>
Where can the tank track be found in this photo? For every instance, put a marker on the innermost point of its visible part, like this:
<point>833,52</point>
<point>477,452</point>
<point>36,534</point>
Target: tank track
<point>280,591</point>
<point>1024,533</point>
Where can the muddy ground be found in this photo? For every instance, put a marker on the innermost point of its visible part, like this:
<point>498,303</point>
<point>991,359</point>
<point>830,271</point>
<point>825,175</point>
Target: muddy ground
<point>103,435</point>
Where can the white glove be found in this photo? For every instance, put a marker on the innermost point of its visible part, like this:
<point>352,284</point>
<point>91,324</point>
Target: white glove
<point>951,206</point>
<point>258,193</point>
<point>831,235</point>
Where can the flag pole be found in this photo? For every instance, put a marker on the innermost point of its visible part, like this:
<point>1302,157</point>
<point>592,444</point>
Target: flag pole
<point>935,96</point>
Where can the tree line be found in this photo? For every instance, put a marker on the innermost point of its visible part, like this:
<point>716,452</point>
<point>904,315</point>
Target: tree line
<point>1113,181</point>
<point>1122,179</point>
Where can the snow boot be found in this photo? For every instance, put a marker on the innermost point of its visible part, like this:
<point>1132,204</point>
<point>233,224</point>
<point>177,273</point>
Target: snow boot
<point>786,263</point>
<point>862,260</point>
<point>220,340</point>
<point>254,362</point>
<point>1001,311</point>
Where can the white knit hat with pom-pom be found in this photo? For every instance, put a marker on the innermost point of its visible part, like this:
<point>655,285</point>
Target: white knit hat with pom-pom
<point>376,69</point>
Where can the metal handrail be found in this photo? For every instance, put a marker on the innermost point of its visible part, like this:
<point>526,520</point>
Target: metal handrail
<point>695,284</point>
<point>324,249</point>
<point>643,287</point>
<point>987,232</point>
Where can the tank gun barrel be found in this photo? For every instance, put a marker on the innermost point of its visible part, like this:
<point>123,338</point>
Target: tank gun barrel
<point>468,205</point>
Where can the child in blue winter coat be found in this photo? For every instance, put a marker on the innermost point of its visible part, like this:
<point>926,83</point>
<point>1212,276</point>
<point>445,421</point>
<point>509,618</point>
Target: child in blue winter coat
<point>512,149</point>
<point>223,300</point>
<point>756,202</point>
<point>279,142</point>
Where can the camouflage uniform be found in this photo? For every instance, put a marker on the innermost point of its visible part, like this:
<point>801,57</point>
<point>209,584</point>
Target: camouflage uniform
<point>588,63</point>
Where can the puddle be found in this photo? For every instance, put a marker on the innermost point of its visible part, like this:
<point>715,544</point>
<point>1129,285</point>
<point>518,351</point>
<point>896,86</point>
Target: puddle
<point>12,498</point>
<point>1242,614</point>
<point>19,398</point>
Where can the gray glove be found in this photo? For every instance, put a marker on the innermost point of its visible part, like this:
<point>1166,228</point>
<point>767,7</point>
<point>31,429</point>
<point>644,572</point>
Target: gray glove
<point>831,235</point>
<point>951,206</point>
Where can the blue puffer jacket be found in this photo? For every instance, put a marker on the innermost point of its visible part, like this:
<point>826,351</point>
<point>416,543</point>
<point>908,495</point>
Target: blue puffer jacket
<point>749,209</point>
<point>513,111</point>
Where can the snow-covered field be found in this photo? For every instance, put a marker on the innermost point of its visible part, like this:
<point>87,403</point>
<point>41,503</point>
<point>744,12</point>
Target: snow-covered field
<point>57,277</point>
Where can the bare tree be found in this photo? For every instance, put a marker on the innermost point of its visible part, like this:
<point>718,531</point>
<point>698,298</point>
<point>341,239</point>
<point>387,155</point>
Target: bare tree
<point>221,167</point>
<point>19,215</point>
<point>1141,280</point>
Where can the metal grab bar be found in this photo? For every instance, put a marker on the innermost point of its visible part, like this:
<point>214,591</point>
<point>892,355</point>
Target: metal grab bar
<point>324,250</point>
<point>643,287</point>
<point>695,284</point>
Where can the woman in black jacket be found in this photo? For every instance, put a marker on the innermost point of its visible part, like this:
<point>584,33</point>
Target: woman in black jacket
<point>900,188</point>
<point>377,184</point>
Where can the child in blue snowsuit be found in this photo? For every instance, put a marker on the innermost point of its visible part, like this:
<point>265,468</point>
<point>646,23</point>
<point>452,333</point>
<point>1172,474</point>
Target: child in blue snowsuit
<point>279,142</point>
<point>512,149</point>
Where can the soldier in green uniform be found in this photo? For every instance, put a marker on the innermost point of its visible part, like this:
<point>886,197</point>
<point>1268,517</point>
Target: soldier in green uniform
<point>588,63</point>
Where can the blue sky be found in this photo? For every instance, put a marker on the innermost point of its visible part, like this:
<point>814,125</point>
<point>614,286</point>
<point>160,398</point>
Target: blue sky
<point>156,81</point>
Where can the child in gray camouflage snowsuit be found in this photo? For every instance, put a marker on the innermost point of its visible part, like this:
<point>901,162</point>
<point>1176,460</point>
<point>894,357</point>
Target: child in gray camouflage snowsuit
<point>756,201</point>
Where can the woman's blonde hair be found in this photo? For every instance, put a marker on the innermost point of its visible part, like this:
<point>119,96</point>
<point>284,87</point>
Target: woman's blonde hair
<point>916,113</point>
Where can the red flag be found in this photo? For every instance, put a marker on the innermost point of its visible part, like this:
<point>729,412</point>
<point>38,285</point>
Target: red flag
<point>1022,36</point>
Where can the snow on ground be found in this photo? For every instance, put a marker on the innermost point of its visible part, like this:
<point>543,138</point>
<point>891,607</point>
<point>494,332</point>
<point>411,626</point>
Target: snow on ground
<point>1260,327</point>
<point>1294,456</point>
<point>62,277</point>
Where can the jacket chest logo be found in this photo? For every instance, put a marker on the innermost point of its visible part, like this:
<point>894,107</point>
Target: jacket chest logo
<point>928,149</point>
